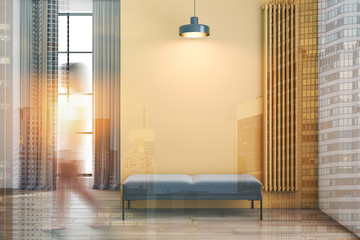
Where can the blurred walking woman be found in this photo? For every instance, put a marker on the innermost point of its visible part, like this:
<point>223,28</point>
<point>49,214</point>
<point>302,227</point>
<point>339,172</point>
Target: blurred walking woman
<point>71,148</point>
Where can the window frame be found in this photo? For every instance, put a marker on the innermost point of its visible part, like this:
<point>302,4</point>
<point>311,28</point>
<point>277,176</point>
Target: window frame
<point>68,52</point>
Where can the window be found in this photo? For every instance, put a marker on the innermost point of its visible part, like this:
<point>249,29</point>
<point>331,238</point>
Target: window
<point>75,46</point>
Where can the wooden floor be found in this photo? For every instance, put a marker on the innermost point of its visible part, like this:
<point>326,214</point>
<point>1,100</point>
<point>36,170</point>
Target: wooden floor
<point>27,212</point>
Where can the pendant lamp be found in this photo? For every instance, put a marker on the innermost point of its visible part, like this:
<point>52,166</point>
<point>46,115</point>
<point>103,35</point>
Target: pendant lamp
<point>194,29</point>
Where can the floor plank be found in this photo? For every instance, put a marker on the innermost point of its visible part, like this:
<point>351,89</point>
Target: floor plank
<point>31,211</point>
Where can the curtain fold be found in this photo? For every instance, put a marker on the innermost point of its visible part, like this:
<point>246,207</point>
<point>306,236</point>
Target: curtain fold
<point>106,77</point>
<point>38,99</point>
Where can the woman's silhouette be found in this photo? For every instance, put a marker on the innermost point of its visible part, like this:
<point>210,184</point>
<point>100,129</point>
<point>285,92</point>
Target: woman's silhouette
<point>71,149</point>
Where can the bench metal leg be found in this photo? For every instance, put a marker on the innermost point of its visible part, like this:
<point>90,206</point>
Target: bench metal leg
<point>252,203</point>
<point>123,209</point>
<point>128,204</point>
<point>261,209</point>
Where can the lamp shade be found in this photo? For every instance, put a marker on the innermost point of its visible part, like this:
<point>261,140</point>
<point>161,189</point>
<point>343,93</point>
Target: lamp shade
<point>194,29</point>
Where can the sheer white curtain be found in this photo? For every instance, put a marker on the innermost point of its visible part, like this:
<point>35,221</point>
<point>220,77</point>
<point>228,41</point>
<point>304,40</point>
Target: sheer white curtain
<point>106,77</point>
<point>38,93</point>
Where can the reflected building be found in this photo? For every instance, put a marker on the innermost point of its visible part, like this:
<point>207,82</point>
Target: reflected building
<point>249,139</point>
<point>306,141</point>
<point>4,89</point>
<point>141,159</point>
<point>339,111</point>
<point>7,142</point>
<point>37,119</point>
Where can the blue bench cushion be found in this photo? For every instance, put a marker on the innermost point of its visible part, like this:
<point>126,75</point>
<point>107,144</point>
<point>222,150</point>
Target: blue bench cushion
<point>157,184</point>
<point>226,184</point>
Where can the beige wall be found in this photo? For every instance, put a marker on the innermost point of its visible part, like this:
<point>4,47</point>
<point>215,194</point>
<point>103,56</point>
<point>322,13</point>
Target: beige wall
<point>189,87</point>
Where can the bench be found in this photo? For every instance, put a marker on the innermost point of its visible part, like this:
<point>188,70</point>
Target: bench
<point>196,187</point>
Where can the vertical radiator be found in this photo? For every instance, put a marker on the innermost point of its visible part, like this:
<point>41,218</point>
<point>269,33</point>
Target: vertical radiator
<point>279,97</point>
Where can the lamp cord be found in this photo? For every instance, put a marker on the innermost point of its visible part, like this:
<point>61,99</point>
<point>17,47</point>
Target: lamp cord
<point>194,8</point>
